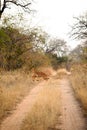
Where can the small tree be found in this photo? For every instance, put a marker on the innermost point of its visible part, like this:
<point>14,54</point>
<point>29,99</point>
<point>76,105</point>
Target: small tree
<point>79,54</point>
<point>56,61</point>
<point>79,32</point>
<point>57,46</point>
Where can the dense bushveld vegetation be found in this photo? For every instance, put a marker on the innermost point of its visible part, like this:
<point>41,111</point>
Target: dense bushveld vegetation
<point>22,51</point>
<point>79,74</point>
<point>17,49</point>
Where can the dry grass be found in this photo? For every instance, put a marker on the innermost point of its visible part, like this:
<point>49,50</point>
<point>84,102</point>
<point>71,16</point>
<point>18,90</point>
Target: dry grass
<point>13,87</point>
<point>61,73</point>
<point>79,83</point>
<point>46,110</point>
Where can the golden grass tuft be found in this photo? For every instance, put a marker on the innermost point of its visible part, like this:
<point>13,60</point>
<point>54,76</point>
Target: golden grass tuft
<point>79,83</point>
<point>46,110</point>
<point>13,87</point>
<point>61,73</point>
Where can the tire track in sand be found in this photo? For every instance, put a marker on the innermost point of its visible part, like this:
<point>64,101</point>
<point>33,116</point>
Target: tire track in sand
<point>72,117</point>
<point>14,121</point>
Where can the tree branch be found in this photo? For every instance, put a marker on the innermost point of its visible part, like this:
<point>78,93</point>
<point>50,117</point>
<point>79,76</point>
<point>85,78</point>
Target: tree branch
<point>24,5</point>
<point>3,8</point>
<point>18,4</point>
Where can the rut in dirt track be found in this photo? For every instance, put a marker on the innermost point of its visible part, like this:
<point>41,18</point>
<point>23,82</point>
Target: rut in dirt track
<point>14,121</point>
<point>72,117</point>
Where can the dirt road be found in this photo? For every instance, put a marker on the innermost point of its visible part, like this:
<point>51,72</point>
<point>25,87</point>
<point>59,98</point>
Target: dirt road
<point>14,121</point>
<point>71,117</point>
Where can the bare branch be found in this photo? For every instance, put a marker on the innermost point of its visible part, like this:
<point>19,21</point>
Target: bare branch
<point>18,4</point>
<point>79,28</point>
<point>24,5</point>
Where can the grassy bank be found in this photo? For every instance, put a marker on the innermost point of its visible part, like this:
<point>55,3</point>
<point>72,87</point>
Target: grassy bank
<point>79,83</point>
<point>46,110</point>
<point>13,87</point>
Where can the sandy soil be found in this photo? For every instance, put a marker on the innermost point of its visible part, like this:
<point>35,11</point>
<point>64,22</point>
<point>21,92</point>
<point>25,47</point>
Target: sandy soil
<point>14,121</point>
<point>71,118</point>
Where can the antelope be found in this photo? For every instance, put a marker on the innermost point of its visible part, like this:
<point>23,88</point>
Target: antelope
<point>38,74</point>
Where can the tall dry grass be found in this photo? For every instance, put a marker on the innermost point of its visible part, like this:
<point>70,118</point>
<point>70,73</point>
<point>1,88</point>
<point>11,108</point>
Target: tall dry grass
<point>79,83</point>
<point>13,87</point>
<point>46,110</point>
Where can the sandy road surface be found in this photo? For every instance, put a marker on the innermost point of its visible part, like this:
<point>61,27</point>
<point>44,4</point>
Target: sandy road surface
<point>71,117</point>
<point>14,121</point>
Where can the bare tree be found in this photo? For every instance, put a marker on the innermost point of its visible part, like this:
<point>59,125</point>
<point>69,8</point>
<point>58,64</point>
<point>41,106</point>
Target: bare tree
<point>57,46</point>
<point>79,28</point>
<point>24,4</point>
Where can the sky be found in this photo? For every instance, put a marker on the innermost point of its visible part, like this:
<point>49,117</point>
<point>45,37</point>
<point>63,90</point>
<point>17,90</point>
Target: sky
<point>56,16</point>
